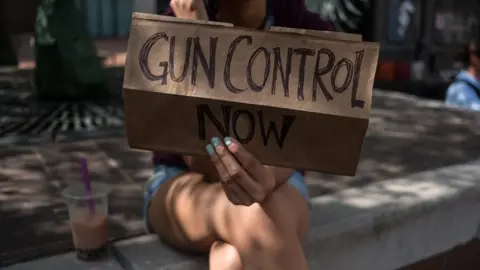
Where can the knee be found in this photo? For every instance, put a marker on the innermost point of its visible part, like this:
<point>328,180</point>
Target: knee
<point>281,217</point>
<point>269,236</point>
<point>224,257</point>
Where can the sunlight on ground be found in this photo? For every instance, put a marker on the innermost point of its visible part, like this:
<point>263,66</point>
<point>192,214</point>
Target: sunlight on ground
<point>427,186</point>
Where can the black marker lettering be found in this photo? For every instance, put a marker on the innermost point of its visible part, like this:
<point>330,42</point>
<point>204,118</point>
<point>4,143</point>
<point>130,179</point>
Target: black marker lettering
<point>186,60</point>
<point>253,86</point>
<point>251,126</point>
<point>209,67</point>
<point>204,110</point>
<point>145,53</point>
<point>348,78</point>
<point>287,122</point>
<point>319,72</point>
<point>228,63</point>
<point>356,103</point>
<point>303,52</point>
<point>285,74</point>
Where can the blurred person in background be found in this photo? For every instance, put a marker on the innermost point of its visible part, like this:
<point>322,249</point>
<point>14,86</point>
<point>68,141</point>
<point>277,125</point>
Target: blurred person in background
<point>464,92</point>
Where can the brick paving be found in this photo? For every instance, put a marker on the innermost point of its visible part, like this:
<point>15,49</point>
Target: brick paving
<point>34,217</point>
<point>406,135</point>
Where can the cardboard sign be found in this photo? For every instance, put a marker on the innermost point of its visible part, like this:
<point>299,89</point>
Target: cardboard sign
<point>294,98</point>
<point>320,34</point>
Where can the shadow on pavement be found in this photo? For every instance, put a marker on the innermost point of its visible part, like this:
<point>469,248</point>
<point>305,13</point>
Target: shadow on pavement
<point>34,218</point>
<point>405,135</point>
<point>408,135</point>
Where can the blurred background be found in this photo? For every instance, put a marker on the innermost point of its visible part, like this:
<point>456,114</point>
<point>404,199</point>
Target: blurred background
<point>421,41</point>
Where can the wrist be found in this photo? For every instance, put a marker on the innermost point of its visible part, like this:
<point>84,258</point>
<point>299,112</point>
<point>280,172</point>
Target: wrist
<point>282,175</point>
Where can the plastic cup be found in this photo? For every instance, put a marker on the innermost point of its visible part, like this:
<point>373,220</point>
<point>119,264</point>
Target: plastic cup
<point>89,228</point>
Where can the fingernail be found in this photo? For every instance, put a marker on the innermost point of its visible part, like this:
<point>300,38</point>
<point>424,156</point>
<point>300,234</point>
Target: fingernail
<point>228,141</point>
<point>210,149</point>
<point>215,142</point>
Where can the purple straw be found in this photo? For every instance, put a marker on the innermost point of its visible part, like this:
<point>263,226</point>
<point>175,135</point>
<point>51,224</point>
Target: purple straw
<point>87,185</point>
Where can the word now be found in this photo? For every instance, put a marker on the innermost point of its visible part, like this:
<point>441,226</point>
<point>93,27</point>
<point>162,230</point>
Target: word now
<point>227,125</point>
<point>278,68</point>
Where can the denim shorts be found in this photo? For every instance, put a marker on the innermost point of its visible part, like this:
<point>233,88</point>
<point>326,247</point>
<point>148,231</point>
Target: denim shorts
<point>163,173</point>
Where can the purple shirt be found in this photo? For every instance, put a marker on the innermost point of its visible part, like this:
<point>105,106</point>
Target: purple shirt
<point>286,13</point>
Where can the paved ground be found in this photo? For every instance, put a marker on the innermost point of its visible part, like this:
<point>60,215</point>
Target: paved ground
<point>34,218</point>
<point>405,136</point>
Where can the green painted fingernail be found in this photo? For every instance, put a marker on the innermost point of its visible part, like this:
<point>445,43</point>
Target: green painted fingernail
<point>215,142</point>
<point>210,149</point>
<point>228,141</point>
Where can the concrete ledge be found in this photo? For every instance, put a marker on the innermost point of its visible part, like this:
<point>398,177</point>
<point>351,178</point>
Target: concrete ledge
<point>66,261</point>
<point>147,252</point>
<point>391,224</point>
<point>381,226</point>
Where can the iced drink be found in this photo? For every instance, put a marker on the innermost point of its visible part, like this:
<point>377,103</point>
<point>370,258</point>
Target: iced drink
<point>88,220</point>
<point>90,235</point>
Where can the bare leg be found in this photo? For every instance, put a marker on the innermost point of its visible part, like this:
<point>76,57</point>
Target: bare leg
<point>192,215</point>
<point>224,256</point>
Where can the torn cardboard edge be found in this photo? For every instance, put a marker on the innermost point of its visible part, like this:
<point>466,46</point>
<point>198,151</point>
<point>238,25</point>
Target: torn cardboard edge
<point>154,17</point>
<point>318,34</point>
<point>326,35</point>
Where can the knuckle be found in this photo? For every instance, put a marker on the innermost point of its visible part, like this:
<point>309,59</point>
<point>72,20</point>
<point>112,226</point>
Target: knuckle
<point>175,3</point>
<point>235,173</point>
<point>226,178</point>
<point>179,4</point>
<point>215,159</point>
<point>221,151</point>
<point>250,163</point>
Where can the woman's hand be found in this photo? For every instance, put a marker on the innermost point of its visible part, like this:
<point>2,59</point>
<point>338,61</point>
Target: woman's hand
<point>189,9</point>
<point>243,177</point>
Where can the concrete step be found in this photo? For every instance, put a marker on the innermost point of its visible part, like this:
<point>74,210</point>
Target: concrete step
<point>67,261</point>
<point>380,226</point>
